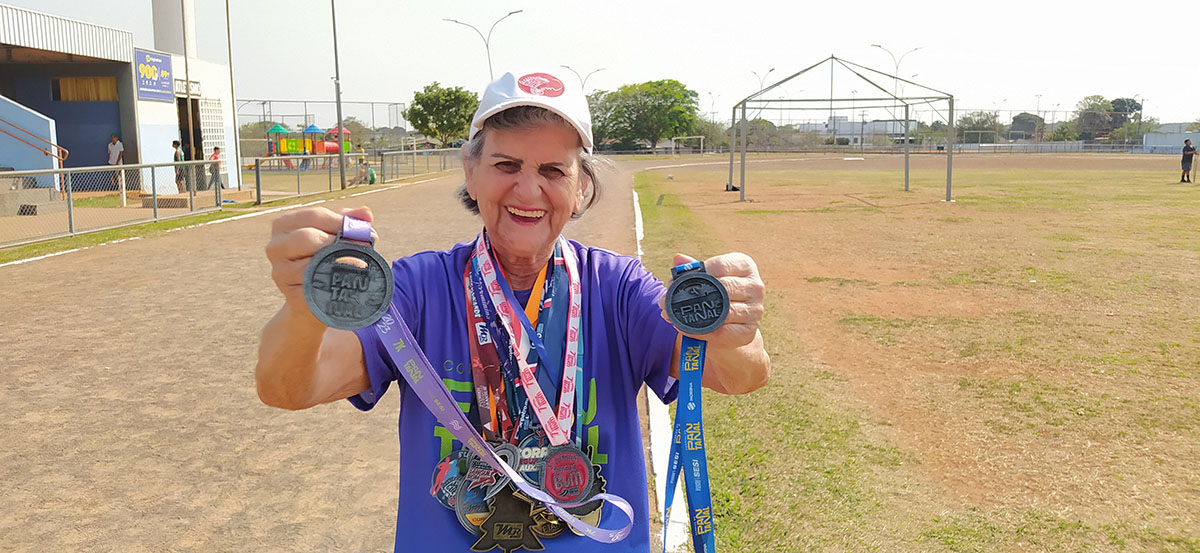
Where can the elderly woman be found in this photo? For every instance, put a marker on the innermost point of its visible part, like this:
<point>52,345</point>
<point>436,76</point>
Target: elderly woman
<point>529,169</point>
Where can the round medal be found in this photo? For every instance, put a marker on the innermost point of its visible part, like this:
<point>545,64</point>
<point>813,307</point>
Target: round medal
<point>566,473</point>
<point>347,285</point>
<point>447,477</point>
<point>697,303</point>
<point>471,507</point>
<point>533,450</point>
<point>598,484</point>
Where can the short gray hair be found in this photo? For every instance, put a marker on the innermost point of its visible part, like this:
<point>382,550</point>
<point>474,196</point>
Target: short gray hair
<point>522,118</point>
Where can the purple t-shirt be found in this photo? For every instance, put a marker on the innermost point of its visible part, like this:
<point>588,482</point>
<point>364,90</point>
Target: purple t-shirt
<point>626,343</point>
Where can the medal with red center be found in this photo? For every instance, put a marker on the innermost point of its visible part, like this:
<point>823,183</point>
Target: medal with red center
<point>566,473</point>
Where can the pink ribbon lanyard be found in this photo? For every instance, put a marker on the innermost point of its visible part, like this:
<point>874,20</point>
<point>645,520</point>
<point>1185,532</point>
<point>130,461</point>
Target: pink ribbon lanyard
<point>557,427</point>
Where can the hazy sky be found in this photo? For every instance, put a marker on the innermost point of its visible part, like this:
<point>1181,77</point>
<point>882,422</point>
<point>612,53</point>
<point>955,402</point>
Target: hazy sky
<point>996,55</point>
<point>990,56</point>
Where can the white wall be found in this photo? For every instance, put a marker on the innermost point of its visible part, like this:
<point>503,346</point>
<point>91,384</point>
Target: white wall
<point>1169,143</point>
<point>158,123</point>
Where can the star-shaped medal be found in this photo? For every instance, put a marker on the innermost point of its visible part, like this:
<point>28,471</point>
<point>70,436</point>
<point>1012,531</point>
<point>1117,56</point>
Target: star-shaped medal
<point>509,526</point>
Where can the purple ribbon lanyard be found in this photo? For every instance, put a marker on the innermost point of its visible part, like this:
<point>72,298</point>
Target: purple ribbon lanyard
<point>420,375</point>
<point>357,230</point>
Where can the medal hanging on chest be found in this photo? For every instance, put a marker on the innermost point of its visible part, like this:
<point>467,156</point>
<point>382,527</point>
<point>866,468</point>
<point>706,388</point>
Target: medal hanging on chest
<point>510,367</point>
<point>347,285</point>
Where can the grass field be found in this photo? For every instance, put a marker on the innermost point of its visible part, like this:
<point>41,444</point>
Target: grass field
<point>1015,371</point>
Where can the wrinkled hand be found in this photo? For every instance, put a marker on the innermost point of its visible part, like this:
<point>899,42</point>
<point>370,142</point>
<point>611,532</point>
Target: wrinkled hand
<point>739,274</point>
<point>295,237</point>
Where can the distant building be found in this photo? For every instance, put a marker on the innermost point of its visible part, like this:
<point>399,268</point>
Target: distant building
<point>843,127</point>
<point>78,75</point>
<point>1168,142</point>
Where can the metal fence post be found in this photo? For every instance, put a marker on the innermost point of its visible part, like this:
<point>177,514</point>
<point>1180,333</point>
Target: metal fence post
<point>949,146</point>
<point>217,184</point>
<point>190,177</point>
<point>382,168</point>
<point>330,166</point>
<point>257,181</point>
<point>297,179</point>
<point>906,116</point>
<point>70,207</point>
<point>154,192</point>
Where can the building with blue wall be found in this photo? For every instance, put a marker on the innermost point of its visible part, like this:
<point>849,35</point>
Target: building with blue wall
<point>83,72</point>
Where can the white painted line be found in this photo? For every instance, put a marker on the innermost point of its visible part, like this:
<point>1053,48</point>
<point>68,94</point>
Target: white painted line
<point>854,159</point>
<point>20,261</point>
<point>660,433</point>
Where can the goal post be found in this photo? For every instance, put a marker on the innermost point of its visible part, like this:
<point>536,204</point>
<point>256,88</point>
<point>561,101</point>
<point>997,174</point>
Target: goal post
<point>675,142</point>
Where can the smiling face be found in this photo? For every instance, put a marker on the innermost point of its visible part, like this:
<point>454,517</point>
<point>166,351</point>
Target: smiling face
<point>527,183</point>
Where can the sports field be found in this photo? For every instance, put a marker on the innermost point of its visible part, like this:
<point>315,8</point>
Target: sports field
<point>1015,371</point>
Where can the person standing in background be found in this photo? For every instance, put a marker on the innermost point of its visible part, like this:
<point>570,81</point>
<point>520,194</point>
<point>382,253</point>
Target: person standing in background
<point>180,177</point>
<point>1189,152</point>
<point>215,168</point>
<point>116,156</point>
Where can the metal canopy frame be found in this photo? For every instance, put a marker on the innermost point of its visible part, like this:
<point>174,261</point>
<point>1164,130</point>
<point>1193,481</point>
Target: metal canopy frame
<point>759,103</point>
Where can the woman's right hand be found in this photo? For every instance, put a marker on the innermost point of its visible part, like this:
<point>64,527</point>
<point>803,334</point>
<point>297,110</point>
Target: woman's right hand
<point>295,237</point>
<point>302,362</point>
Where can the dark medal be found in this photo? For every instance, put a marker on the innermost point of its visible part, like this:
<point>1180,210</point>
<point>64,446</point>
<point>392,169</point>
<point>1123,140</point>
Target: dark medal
<point>589,512</point>
<point>481,482</point>
<point>509,526</point>
<point>347,285</point>
<point>533,450</point>
<point>697,303</point>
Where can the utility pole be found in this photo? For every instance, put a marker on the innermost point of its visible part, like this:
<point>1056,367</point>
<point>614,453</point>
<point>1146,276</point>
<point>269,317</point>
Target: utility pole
<point>337,90</point>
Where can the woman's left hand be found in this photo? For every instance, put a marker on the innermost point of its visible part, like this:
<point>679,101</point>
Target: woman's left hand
<point>739,274</point>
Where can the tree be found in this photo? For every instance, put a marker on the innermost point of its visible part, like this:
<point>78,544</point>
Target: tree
<point>716,134</point>
<point>1132,131</point>
<point>1093,117</point>
<point>358,131</point>
<point>980,126</point>
<point>1064,132</point>
<point>1028,124</point>
<point>1194,126</point>
<point>649,111</point>
<point>443,114</point>
<point>256,129</point>
<point>601,106</point>
<point>1123,110</point>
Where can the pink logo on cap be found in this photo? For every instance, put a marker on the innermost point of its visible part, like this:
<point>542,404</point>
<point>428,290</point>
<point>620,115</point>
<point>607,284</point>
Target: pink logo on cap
<point>541,84</point>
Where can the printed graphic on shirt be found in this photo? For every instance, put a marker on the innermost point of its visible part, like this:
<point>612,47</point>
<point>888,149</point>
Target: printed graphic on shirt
<point>458,381</point>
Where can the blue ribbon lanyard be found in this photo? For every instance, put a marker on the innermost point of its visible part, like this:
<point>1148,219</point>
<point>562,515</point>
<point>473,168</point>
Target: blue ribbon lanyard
<point>687,444</point>
<point>545,365</point>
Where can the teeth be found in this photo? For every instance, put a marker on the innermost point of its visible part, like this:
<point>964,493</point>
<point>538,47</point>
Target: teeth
<point>535,213</point>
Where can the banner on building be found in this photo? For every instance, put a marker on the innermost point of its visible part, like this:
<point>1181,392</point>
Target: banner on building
<point>154,77</point>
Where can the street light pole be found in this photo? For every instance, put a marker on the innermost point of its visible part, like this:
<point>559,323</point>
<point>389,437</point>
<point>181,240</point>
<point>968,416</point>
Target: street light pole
<point>1037,130</point>
<point>583,79</point>
<point>896,74</point>
<point>337,90</point>
<point>763,78</point>
<point>487,41</point>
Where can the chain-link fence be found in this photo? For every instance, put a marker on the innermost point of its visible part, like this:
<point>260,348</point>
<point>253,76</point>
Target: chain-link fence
<point>280,177</point>
<point>39,205</point>
<point>397,165</point>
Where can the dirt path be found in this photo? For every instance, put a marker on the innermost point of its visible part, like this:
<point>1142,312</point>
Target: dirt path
<point>128,416</point>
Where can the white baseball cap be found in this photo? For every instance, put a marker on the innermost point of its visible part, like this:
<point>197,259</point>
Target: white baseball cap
<point>543,90</point>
